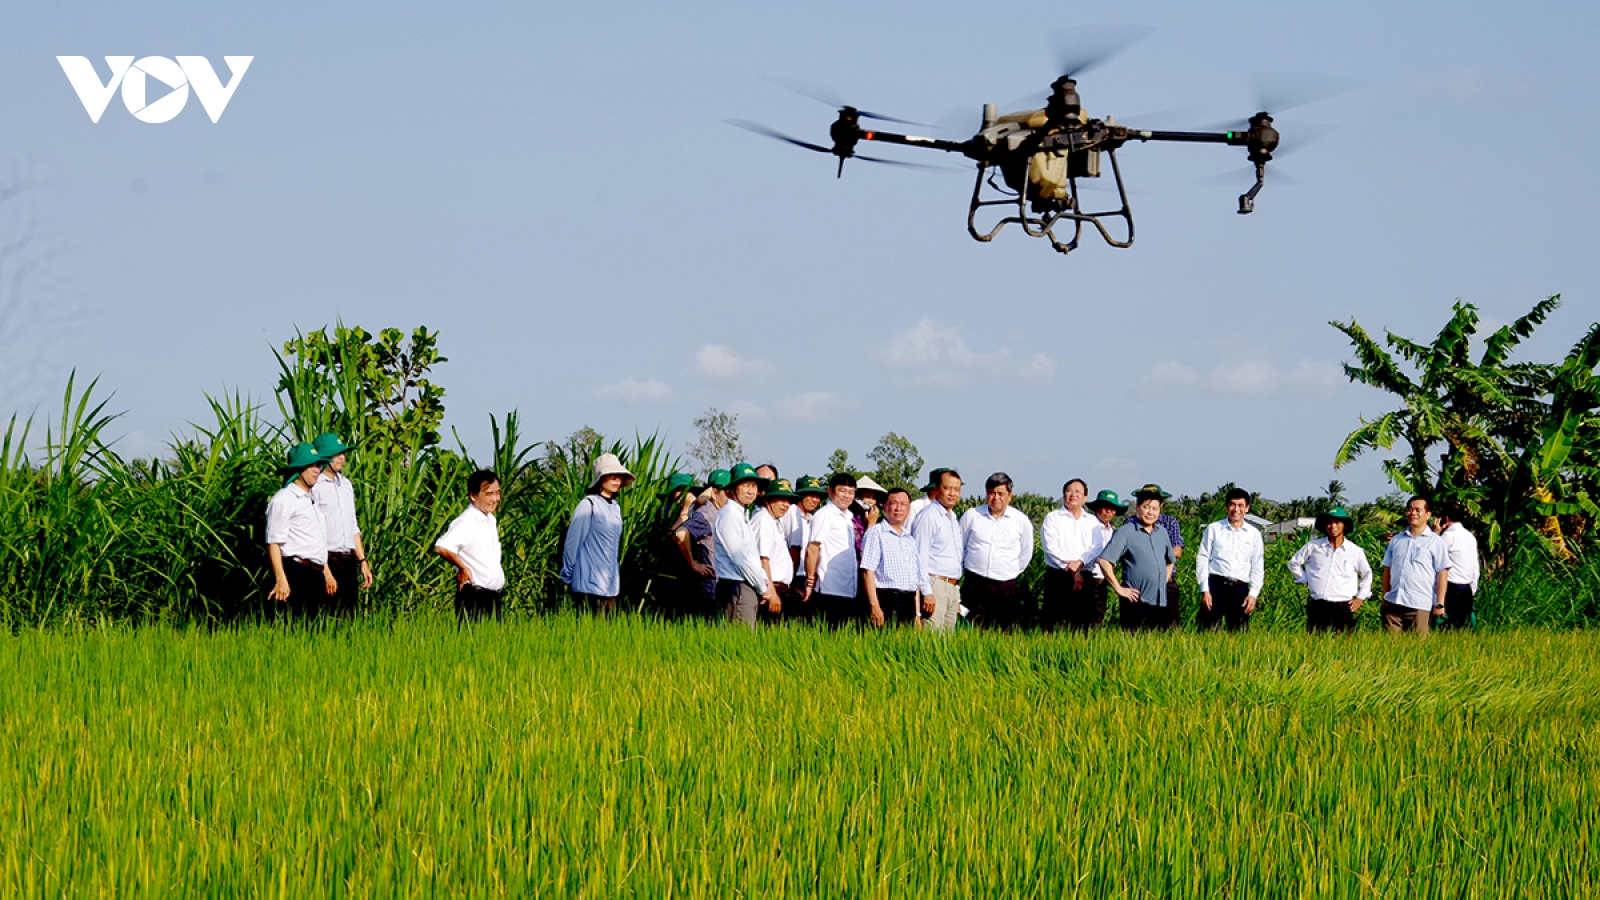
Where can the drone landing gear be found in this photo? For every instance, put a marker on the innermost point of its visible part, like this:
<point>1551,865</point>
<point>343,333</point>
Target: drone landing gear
<point>1044,223</point>
<point>1247,200</point>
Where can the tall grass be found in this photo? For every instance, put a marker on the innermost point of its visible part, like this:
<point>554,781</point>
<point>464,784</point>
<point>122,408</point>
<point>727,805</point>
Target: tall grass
<point>575,757</point>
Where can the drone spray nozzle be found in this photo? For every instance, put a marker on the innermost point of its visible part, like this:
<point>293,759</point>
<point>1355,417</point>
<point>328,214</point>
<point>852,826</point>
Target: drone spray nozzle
<point>1262,138</point>
<point>846,132</point>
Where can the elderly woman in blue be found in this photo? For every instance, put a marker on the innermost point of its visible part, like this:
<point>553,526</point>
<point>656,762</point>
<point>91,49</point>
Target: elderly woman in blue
<point>589,563</point>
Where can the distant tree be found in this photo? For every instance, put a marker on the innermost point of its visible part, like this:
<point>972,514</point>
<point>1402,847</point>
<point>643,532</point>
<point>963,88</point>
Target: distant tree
<point>373,389</point>
<point>719,445</point>
<point>898,463</point>
<point>839,461</point>
<point>1336,493</point>
<point>1512,443</point>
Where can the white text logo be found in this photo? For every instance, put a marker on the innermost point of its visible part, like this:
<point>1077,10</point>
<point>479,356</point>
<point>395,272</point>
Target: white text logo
<point>134,78</point>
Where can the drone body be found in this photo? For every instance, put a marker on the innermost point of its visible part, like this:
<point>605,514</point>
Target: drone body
<point>1030,163</point>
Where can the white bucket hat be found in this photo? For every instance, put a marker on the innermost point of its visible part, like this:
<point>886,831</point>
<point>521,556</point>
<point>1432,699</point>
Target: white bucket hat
<point>608,464</point>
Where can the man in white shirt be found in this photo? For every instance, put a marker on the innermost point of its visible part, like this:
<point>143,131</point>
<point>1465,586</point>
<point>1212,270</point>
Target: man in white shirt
<point>297,541</point>
<point>1416,569</point>
<point>335,497</point>
<point>1464,568</point>
<point>831,554</point>
<point>1335,571</point>
<point>1106,506</point>
<point>812,493</point>
<point>742,584</point>
<point>938,536</point>
<point>472,545</point>
<point>1066,536</point>
<point>773,547</point>
<point>1230,567</point>
<point>997,545</point>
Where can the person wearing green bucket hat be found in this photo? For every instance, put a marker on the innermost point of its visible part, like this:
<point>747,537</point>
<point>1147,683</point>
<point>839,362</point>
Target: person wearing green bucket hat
<point>297,541</point>
<point>335,497</point>
<point>811,494</point>
<point>1335,571</point>
<point>771,544</point>
<point>742,583</point>
<point>697,546</point>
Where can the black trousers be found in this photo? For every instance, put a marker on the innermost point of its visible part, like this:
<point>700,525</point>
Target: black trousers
<point>1457,607</point>
<point>834,610</point>
<point>1227,604</point>
<point>993,604</point>
<point>1136,616</point>
<point>308,590</point>
<point>899,607</point>
<point>1329,615</point>
<point>347,572</point>
<point>474,604</point>
<point>1074,600</point>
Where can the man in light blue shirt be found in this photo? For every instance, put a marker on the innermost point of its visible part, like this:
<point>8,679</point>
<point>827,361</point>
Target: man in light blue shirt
<point>891,569</point>
<point>939,547</point>
<point>1416,571</point>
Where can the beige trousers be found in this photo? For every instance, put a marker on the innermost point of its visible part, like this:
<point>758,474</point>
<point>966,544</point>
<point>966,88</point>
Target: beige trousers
<point>946,606</point>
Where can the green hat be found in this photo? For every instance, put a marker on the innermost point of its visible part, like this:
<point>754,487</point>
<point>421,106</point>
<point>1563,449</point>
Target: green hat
<point>1107,500</point>
<point>811,484</point>
<point>743,472</point>
<point>719,478</point>
<point>677,482</point>
<point>934,479</point>
<point>300,456</point>
<point>779,489</point>
<point>1337,512</point>
<point>328,445</point>
<point>1151,490</point>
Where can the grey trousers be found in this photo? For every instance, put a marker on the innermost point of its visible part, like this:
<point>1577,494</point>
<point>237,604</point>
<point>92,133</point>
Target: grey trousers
<point>740,602</point>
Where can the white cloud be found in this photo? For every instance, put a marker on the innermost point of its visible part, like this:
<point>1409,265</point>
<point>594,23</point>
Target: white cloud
<point>632,390</point>
<point>1243,378</point>
<point>934,354</point>
<point>808,407</point>
<point>719,363</point>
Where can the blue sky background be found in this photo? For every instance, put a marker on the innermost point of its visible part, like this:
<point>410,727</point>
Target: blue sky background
<point>554,188</point>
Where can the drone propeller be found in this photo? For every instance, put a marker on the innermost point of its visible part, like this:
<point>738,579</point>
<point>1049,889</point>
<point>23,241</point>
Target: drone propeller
<point>828,97</point>
<point>764,131</point>
<point>1078,50</point>
<point>1283,91</point>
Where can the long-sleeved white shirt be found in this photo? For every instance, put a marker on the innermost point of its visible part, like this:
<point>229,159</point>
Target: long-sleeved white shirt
<point>1229,552</point>
<point>734,548</point>
<point>1338,574</point>
<point>1463,549</point>
<point>474,539</point>
<point>1066,538</point>
<point>1102,537</point>
<point>335,497</point>
<point>997,549</point>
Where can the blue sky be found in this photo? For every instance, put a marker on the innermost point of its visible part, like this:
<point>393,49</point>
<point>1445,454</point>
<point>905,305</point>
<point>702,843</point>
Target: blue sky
<point>554,188</point>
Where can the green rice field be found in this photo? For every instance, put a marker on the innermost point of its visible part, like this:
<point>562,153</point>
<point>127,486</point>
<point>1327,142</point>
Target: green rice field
<point>561,756</point>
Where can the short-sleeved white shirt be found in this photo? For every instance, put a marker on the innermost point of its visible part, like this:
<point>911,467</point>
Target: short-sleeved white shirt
<point>474,538</point>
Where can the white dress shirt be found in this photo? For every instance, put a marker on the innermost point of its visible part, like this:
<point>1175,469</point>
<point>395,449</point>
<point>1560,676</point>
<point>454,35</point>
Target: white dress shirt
<point>1338,574</point>
<point>734,548</point>
<point>997,549</point>
<point>294,524</point>
<point>834,533</point>
<point>1229,552</point>
<point>938,537</point>
<point>917,506</point>
<point>335,497</point>
<point>772,546</point>
<point>793,521</point>
<point>1102,537</point>
<point>474,538</point>
<point>1463,549</point>
<point>1066,538</point>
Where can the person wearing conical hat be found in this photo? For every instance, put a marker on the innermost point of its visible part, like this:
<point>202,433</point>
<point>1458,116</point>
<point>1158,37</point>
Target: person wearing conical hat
<point>335,497</point>
<point>1106,506</point>
<point>591,557</point>
<point>1335,571</point>
<point>297,540</point>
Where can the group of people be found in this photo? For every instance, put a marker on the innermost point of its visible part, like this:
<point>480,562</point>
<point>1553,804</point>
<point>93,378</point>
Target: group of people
<point>753,547</point>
